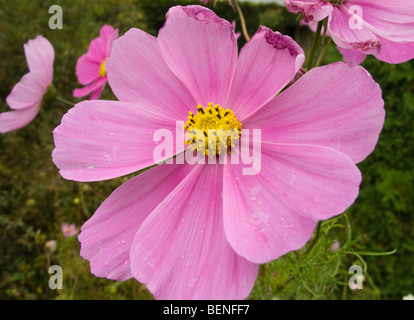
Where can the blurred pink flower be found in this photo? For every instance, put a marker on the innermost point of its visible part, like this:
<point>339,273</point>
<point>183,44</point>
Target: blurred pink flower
<point>382,28</point>
<point>90,68</point>
<point>26,96</point>
<point>69,230</point>
<point>200,231</point>
<point>50,246</point>
<point>335,246</point>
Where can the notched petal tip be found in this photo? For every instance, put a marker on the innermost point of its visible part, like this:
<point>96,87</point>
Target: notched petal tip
<point>199,13</point>
<point>372,46</point>
<point>106,30</point>
<point>36,43</point>
<point>280,41</point>
<point>310,10</point>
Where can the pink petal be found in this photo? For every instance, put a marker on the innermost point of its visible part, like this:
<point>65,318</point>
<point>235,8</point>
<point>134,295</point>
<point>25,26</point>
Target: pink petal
<point>353,56</point>
<point>97,93</point>
<point>106,238</point>
<point>110,35</point>
<point>107,32</point>
<point>28,92</point>
<point>314,26</point>
<point>14,120</point>
<point>267,63</point>
<point>40,56</point>
<point>201,49</point>
<point>311,10</point>
<point>137,73</point>
<point>393,52</point>
<point>274,212</point>
<point>180,251</point>
<point>393,20</point>
<point>100,140</point>
<point>95,88</point>
<point>351,38</point>
<point>87,69</point>
<point>98,49</point>
<point>338,106</point>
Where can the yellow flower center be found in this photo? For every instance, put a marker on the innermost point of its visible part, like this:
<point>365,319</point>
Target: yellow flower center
<point>213,130</point>
<point>102,70</point>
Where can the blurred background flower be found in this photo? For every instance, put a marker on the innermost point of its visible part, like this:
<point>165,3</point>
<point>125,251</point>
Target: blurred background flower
<point>69,230</point>
<point>50,246</point>
<point>27,95</point>
<point>90,68</point>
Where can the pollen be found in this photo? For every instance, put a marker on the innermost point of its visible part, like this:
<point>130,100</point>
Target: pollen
<point>213,130</point>
<point>102,70</point>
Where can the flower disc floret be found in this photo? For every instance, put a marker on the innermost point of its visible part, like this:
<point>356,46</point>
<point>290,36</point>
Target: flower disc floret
<point>213,130</point>
<point>102,70</point>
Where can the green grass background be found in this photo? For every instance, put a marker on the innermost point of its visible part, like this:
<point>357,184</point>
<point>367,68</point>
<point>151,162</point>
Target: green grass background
<point>35,200</point>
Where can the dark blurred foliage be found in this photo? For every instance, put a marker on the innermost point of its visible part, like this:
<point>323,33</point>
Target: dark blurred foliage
<point>35,200</point>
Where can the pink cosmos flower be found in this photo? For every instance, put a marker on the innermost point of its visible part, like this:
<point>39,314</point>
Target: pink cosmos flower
<point>68,230</point>
<point>90,68</point>
<point>335,246</point>
<point>383,28</point>
<point>199,231</point>
<point>26,96</point>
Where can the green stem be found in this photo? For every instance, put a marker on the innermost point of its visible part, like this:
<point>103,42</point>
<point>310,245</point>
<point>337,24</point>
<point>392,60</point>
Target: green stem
<point>314,45</point>
<point>297,256</point>
<point>322,56</point>
<point>242,20</point>
<point>83,202</point>
<point>345,289</point>
<point>315,239</point>
<point>65,101</point>
<point>312,244</point>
